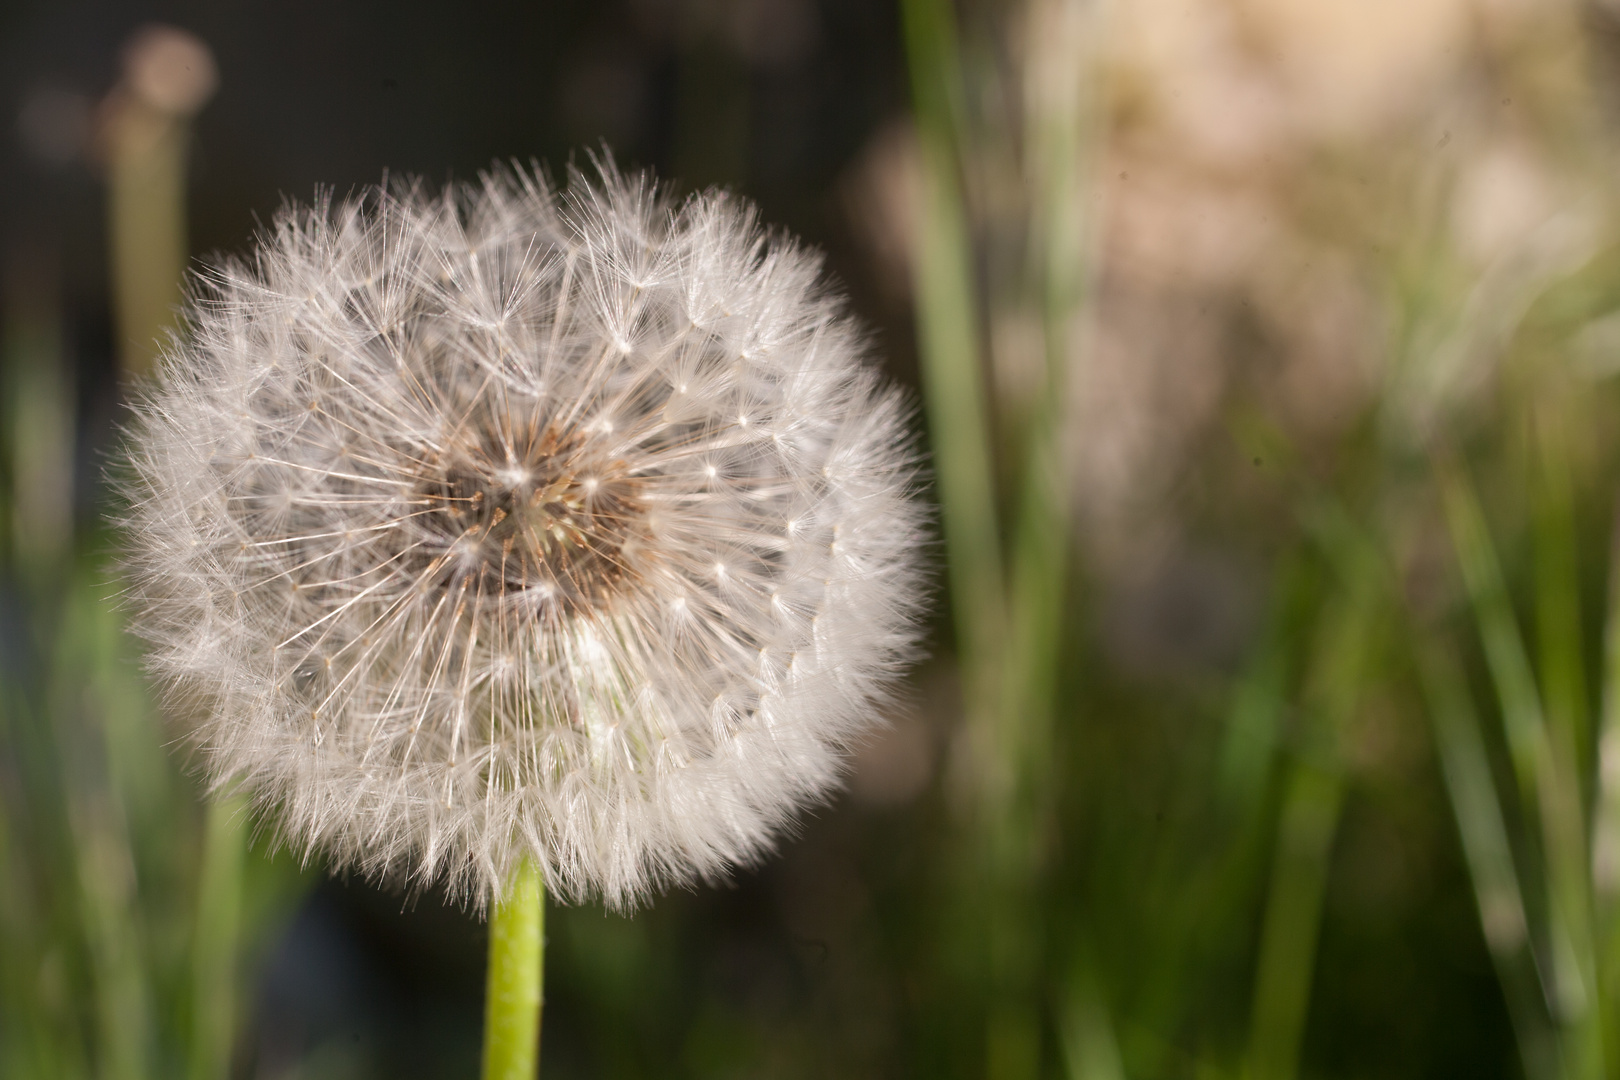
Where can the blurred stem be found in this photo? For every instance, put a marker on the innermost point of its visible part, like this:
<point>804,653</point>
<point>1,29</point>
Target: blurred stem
<point>1009,617</point>
<point>1259,699</point>
<point>97,812</point>
<point>1505,653</point>
<point>512,993</point>
<point>213,961</point>
<point>27,1049</point>
<point>107,890</point>
<point>146,223</point>
<point>40,423</point>
<point>1064,129</point>
<point>1012,1037</point>
<point>1606,840</point>
<point>1483,829</point>
<point>949,339</point>
<point>949,344</point>
<point>1557,585</point>
<point>1312,803</point>
<point>1090,1050</point>
<point>1546,763</point>
<point>43,892</point>
<point>1310,818</point>
<point>1063,126</point>
<point>1563,680</point>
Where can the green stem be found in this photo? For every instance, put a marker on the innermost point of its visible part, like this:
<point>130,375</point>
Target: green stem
<point>1606,829</point>
<point>218,932</point>
<point>1505,654</point>
<point>1466,768</point>
<point>1546,759</point>
<point>1293,920</point>
<point>512,996</point>
<point>1313,803</point>
<point>948,346</point>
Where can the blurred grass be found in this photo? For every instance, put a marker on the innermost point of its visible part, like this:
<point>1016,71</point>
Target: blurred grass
<point>123,907</point>
<point>1289,761</point>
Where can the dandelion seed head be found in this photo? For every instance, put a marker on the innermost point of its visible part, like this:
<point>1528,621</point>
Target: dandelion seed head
<point>512,521</point>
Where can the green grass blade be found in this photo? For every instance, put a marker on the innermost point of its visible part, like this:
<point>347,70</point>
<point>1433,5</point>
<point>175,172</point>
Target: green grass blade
<point>28,1046</point>
<point>1557,591</point>
<point>87,721</point>
<point>1568,733</point>
<point>1483,830</point>
<point>1063,124</point>
<point>1313,800</point>
<point>1310,818</point>
<point>123,1010</point>
<point>1259,699</point>
<point>216,939</point>
<point>1090,1050</point>
<point>1606,828</point>
<point>1545,763</point>
<point>949,341</point>
<point>1505,652</point>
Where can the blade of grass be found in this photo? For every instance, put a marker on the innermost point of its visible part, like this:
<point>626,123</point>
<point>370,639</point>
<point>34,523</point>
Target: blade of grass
<point>1064,129</point>
<point>1557,591</point>
<point>1214,873</point>
<point>1482,827</point>
<point>27,1046</point>
<point>953,377</point>
<point>1259,699</point>
<point>104,859</point>
<point>1545,765</point>
<point>1061,125</point>
<point>1568,731</point>
<point>1313,800</point>
<point>1310,818</point>
<point>39,398</point>
<point>1505,653</point>
<point>1090,1051</point>
<point>216,938</point>
<point>1606,839</point>
<point>123,1010</point>
<point>949,343</point>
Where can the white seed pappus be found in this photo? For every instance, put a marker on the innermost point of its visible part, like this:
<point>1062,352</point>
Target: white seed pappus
<point>513,521</point>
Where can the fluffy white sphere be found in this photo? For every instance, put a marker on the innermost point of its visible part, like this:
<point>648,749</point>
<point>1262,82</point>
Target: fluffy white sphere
<point>507,521</point>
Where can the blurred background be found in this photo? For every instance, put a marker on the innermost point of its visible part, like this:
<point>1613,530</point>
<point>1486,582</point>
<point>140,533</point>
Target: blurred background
<point>1267,356</point>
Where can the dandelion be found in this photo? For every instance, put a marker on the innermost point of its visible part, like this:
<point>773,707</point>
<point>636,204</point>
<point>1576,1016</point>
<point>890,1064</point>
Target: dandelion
<point>514,523</point>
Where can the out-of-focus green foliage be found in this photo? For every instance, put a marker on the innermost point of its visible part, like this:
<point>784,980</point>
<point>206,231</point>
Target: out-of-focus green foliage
<point>124,913</point>
<point>1435,538</point>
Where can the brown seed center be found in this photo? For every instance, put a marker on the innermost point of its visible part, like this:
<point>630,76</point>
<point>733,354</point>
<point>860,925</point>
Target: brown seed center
<point>540,515</point>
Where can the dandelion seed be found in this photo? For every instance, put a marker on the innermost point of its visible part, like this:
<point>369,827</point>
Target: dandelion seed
<point>455,513</point>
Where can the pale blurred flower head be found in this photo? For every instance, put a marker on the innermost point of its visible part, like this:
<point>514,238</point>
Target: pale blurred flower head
<point>170,69</point>
<point>508,521</point>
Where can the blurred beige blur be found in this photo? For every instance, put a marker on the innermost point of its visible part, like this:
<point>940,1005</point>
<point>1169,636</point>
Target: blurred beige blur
<point>168,75</point>
<point>1266,159</point>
